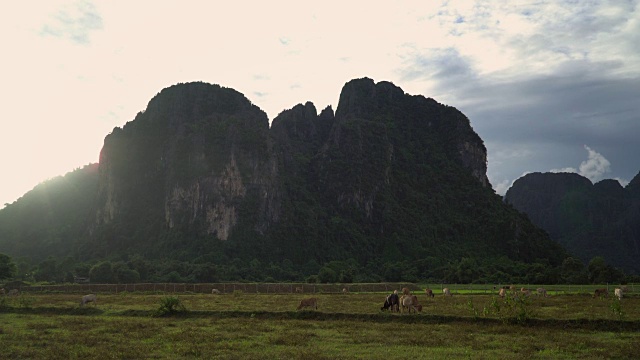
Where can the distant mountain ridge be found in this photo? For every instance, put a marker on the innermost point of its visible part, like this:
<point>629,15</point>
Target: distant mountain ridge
<point>389,180</point>
<point>601,219</point>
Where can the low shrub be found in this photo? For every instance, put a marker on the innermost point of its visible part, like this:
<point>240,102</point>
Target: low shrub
<point>170,305</point>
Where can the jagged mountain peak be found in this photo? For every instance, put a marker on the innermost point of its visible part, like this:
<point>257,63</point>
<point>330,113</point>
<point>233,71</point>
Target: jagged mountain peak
<point>388,177</point>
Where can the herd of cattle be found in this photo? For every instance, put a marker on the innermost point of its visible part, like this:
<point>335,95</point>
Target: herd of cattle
<point>393,302</point>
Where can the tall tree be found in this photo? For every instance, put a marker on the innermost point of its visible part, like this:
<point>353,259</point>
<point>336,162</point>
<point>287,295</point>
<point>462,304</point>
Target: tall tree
<point>8,268</point>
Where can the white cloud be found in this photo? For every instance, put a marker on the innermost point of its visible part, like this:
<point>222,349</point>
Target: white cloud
<point>622,182</point>
<point>74,22</point>
<point>564,170</point>
<point>593,169</point>
<point>502,187</point>
<point>595,166</point>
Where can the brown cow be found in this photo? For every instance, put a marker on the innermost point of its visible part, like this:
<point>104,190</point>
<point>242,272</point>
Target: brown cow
<point>310,302</point>
<point>414,299</point>
<point>406,291</point>
<point>525,291</point>
<point>429,292</point>
<point>409,302</point>
<point>601,292</point>
<point>502,292</point>
<point>542,291</point>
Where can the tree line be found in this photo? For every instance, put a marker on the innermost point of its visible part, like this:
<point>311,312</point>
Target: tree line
<point>136,269</point>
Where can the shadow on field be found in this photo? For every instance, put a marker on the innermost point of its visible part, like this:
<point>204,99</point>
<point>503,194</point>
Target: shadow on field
<point>585,324</point>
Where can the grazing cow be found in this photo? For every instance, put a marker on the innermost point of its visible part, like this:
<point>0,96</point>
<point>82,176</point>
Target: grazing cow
<point>87,299</point>
<point>414,299</point>
<point>429,292</point>
<point>525,291</point>
<point>502,292</point>
<point>310,302</point>
<point>13,292</point>
<point>542,291</point>
<point>345,290</point>
<point>215,291</point>
<point>446,292</point>
<point>392,302</point>
<point>409,302</point>
<point>600,292</point>
<point>618,293</point>
<point>405,291</point>
<point>299,290</point>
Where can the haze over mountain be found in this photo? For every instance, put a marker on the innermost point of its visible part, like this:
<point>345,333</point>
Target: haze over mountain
<point>392,182</point>
<point>539,79</point>
<point>589,220</point>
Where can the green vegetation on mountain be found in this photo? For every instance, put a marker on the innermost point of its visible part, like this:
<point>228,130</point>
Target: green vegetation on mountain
<point>600,220</point>
<point>198,187</point>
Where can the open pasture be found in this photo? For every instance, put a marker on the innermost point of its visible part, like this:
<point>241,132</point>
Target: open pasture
<point>261,326</point>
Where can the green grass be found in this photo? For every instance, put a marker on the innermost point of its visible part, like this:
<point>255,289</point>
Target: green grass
<point>249,326</point>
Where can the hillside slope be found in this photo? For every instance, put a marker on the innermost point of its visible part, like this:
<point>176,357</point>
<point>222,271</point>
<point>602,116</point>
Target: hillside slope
<point>391,182</point>
<point>601,219</point>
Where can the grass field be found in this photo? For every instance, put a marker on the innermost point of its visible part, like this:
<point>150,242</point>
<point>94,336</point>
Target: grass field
<point>345,326</point>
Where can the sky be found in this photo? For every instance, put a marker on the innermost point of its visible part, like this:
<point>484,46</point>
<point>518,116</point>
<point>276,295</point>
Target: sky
<point>548,85</point>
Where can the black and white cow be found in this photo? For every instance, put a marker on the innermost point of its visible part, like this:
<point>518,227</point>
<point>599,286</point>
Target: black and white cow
<point>391,302</point>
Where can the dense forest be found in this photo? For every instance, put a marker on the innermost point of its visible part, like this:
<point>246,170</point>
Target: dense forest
<point>199,187</point>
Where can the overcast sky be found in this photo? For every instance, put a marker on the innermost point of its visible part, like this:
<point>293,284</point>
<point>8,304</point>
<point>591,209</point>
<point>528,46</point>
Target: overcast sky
<point>548,85</point>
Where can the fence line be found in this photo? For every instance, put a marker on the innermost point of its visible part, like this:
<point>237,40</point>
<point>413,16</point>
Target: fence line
<point>254,288</point>
<point>284,288</point>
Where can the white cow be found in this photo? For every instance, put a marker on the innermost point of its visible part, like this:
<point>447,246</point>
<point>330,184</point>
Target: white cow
<point>446,292</point>
<point>410,302</point>
<point>618,292</point>
<point>542,291</point>
<point>215,291</point>
<point>87,299</point>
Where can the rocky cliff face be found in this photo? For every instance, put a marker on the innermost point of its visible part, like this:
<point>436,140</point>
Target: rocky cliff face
<point>196,155</point>
<point>588,219</point>
<point>422,119</point>
<point>388,175</point>
<point>199,151</point>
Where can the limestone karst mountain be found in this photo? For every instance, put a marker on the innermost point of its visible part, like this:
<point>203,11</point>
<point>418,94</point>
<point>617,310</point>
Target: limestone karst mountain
<point>389,178</point>
<point>601,219</point>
